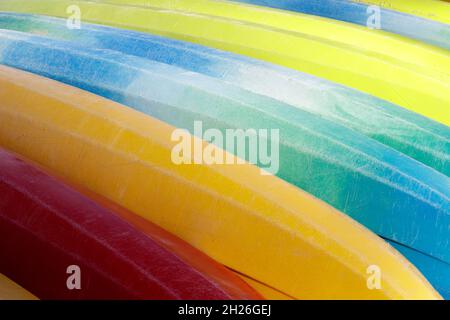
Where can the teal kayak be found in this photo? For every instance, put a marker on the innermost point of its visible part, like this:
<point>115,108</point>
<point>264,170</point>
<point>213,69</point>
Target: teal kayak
<point>416,136</point>
<point>395,196</point>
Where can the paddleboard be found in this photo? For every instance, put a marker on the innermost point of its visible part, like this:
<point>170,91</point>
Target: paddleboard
<point>285,238</point>
<point>419,89</point>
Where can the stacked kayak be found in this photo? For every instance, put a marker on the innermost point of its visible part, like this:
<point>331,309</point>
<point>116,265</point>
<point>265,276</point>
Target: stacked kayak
<point>53,227</point>
<point>366,13</point>
<point>355,178</point>
<point>292,234</point>
<point>419,84</point>
<point>415,136</point>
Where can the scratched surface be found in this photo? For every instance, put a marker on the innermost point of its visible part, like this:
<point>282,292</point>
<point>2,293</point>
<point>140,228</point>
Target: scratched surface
<point>427,31</point>
<point>377,71</point>
<point>47,226</point>
<point>409,133</point>
<point>260,226</point>
<point>401,200</point>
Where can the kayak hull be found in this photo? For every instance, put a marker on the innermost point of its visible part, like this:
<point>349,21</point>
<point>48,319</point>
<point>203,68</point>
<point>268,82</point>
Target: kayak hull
<point>308,144</point>
<point>59,234</point>
<point>77,124</point>
<point>417,88</point>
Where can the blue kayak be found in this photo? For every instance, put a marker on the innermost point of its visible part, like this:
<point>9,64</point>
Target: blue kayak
<point>427,31</point>
<point>392,194</point>
<point>416,136</point>
<point>436,271</point>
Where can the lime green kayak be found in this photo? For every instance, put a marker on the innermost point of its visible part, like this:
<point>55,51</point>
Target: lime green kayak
<point>412,86</point>
<point>430,9</point>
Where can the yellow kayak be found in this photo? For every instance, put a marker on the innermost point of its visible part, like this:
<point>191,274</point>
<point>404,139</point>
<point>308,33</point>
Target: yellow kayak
<point>412,83</point>
<point>429,9</point>
<point>265,291</point>
<point>257,225</point>
<point>380,44</point>
<point>10,290</point>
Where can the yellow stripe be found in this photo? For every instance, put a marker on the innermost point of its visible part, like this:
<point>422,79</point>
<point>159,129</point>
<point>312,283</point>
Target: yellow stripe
<point>10,290</point>
<point>258,225</point>
<point>416,88</point>
<point>429,9</point>
<point>384,45</point>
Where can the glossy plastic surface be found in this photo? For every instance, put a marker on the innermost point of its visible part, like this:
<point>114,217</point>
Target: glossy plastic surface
<point>324,159</point>
<point>285,237</point>
<point>419,88</point>
<point>54,228</point>
<point>420,138</point>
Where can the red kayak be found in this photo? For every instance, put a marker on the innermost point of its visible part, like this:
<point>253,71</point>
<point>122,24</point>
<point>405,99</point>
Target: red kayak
<point>59,244</point>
